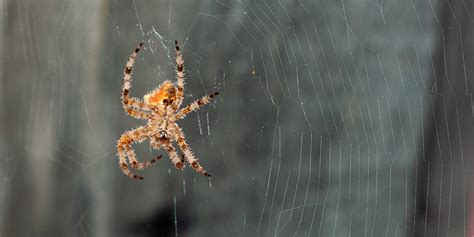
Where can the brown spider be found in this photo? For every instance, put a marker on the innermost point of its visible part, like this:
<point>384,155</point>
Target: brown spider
<point>160,108</point>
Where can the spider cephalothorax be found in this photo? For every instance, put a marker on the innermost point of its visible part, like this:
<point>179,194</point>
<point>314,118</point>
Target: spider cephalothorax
<point>161,108</point>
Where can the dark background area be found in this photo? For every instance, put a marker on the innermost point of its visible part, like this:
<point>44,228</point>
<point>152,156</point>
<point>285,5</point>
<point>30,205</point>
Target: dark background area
<point>334,118</point>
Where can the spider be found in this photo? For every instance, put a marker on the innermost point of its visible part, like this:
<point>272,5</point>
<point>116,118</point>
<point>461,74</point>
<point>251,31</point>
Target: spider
<point>161,107</point>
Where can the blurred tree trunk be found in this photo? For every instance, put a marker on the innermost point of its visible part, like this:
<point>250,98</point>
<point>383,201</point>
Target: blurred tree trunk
<point>443,202</point>
<point>43,96</point>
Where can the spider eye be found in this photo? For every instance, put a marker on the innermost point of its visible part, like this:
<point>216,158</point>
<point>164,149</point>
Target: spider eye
<point>165,101</point>
<point>171,101</point>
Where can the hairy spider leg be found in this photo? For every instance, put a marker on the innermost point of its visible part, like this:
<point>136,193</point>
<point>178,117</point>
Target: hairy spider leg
<point>180,75</point>
<point>133,106</point>
<point>124,147</point>
<point>188,154</point>
<point>140,165</point>
<point>173,155</point>
<point>195,105</point>
<point>138,114</point>
<point>131,153</point>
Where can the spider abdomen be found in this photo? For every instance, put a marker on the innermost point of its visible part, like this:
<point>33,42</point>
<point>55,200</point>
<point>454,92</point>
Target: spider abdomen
<point>165,95</point>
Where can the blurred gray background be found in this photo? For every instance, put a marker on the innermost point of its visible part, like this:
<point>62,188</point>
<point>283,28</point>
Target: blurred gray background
<point>335,118</point>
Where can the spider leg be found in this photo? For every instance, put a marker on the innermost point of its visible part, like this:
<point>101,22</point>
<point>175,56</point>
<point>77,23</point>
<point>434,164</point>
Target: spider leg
<point>124,148</point>
<point>141,165</point>
<point>179,163</point>
<point>180,76</point>
<point>137,113</point>
<point>132,106</point>
<point>195,105</point>
<point>123,164</point>
<point>188,154</point>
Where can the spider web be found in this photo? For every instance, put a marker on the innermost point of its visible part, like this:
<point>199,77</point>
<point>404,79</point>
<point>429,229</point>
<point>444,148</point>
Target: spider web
<point>334,118</point>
